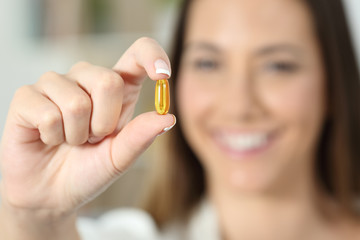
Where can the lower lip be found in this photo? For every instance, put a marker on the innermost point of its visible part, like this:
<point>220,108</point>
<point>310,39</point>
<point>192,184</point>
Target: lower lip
<point>243,154</point>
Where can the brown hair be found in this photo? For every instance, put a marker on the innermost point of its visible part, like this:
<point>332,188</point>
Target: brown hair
<point>179,182</point>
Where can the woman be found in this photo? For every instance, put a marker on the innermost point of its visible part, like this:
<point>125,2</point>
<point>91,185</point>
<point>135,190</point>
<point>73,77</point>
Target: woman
<point>267,97</point>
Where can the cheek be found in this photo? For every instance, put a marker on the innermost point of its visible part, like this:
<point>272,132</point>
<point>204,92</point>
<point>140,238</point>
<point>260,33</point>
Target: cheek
<point>195,102</point>
<point>294,101</point>
<point>196,106</point>
<point>299,105</point>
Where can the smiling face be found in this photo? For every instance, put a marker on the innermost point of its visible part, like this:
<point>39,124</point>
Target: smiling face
<point>251,91</point>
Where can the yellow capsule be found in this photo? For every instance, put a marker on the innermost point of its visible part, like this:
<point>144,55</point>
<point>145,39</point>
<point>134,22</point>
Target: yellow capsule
<point>162,96</point>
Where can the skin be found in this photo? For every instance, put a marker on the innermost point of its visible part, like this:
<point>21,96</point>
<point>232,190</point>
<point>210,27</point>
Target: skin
<point>68,137</point>
<point>254,67</point>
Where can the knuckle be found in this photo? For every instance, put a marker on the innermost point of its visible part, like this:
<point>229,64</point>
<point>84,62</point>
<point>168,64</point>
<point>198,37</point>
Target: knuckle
<point>79,140</point>
<point>101,130</point>
<point>110,81</point>
<point>50,120</point>
<point>84,139</point>
<point>22,91</point>
<point>79,65</point>
<point>48,76</point>
<point>79,105</point>
<point>51,140</point>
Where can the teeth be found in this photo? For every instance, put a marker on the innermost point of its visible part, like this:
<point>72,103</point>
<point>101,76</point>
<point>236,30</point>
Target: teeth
<point>244,142</point>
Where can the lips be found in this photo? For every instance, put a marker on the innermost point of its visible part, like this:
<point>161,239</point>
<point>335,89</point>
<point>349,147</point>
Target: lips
<point>241,143</point>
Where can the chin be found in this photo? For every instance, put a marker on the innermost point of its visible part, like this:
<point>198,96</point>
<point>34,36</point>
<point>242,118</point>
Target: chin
<point>250,181</point>
<point>249,161</point>
<point>253,175</point>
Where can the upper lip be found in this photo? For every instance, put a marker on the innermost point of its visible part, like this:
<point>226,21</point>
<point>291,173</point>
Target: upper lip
<point>241,131</point>
<point>241,136</point>
<point>243,140</point>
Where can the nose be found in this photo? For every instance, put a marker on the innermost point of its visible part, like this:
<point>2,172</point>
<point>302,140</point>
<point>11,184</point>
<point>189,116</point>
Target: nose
<point>240,99</point>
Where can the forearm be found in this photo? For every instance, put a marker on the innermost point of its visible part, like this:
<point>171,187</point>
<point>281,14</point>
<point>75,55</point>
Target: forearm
<point>19,225</point>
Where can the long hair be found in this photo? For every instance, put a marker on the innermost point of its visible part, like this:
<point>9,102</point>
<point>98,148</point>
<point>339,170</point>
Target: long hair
<point>178,184</point>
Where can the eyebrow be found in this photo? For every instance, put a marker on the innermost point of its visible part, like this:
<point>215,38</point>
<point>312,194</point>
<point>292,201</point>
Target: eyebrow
<point>267,50</point>
<point>202,46</point>
<point>271,49</point>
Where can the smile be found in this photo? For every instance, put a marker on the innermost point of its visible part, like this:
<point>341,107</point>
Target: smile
<point>241,144</point>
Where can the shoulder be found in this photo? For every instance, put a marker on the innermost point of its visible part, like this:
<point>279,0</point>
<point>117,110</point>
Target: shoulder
<point>136,224</point>
<point>131,224</point>
<point>202,224</point>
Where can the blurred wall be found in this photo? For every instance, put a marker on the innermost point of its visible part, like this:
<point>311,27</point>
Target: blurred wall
<point>353,10</point>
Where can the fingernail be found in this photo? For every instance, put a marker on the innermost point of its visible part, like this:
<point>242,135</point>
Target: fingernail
<point>94,140</point>
<point>168,128</point>
<point>162,67</point>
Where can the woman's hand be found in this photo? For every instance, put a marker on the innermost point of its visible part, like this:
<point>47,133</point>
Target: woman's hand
<point>68,137</point>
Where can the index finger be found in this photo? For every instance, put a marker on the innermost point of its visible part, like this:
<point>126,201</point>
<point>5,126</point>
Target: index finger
<point>144,57</point>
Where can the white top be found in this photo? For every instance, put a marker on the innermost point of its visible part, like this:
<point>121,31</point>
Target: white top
<point>135,224</point>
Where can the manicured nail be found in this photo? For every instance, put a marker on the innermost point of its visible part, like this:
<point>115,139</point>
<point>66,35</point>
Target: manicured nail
<point>94,140</point>
<point>168,128</point>
<point>162,67</point>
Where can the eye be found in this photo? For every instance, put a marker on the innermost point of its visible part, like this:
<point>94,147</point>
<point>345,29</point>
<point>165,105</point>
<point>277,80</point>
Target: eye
<point>282,67</point>
<point>205,64</point>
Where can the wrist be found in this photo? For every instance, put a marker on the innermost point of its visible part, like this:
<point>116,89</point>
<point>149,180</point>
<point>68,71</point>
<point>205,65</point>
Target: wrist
<point>26,223</point>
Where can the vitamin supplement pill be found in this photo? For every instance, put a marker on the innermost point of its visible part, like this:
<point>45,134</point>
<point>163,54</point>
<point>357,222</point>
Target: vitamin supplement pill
<point>162,96</point>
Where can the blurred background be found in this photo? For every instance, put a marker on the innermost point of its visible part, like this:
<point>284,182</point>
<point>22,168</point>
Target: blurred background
<point>41,35</point>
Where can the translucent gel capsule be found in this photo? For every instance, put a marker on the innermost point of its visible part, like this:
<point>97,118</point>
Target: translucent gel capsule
<point>162,96</point>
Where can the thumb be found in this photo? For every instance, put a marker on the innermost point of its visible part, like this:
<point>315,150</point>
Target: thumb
<point>137,136</point>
